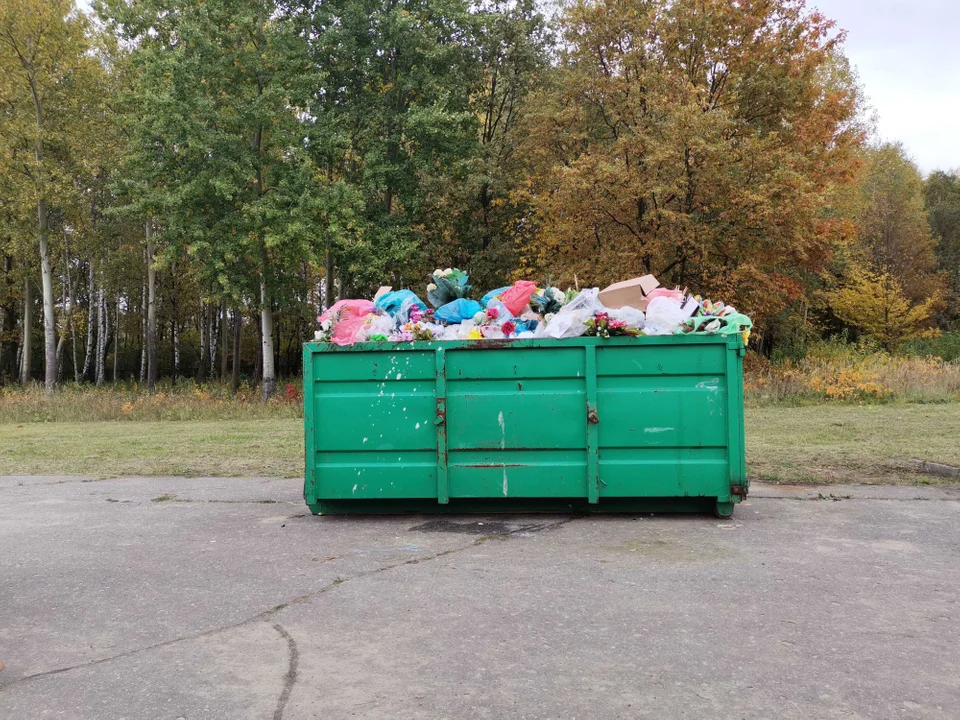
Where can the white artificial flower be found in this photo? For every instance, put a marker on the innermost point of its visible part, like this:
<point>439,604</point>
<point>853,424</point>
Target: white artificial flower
<point>438,273</point>
<point>325,324</point>
<point>431,287</point>
<point>448,272</point>
<point>318,334</point>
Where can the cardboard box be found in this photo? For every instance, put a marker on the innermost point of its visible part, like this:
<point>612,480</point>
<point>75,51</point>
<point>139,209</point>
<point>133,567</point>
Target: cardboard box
<point>630,293</point>
<point>384,289</point>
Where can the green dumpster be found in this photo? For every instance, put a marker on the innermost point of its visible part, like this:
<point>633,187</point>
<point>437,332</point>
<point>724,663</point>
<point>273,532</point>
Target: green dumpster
<point>585,424</point>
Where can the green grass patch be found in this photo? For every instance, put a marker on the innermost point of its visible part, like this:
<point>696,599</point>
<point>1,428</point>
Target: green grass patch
<point>827,443</point>
<point>831,443</point>
<point>228,448</point>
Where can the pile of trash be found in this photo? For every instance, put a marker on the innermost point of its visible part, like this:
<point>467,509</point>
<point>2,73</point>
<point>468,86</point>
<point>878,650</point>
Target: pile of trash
<point>636,307</point>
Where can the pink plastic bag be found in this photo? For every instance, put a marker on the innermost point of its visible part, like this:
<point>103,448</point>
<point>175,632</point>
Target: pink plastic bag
<point>665,292</point>
<point>348,316</point>
<point>518,297</point>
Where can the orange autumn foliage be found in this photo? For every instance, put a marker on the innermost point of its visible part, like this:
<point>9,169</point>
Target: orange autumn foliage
<point>694,139</point>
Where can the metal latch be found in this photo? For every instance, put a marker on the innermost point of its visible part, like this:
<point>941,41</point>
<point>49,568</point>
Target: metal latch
<point>592,417</point>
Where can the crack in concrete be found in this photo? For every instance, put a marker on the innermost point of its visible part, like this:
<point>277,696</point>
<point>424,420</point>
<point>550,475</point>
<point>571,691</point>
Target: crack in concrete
<point>264,614</point>
<point>290,678</point>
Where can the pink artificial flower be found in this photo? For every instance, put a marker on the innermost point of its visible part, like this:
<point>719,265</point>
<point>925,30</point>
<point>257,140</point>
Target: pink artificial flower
<point>493,313</point>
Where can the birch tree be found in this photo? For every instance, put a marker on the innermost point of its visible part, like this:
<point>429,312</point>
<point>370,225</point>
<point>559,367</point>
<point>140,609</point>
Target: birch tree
<point>45,65</point>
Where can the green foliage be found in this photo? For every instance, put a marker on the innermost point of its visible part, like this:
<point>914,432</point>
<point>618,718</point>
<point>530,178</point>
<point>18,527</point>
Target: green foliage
<point>942,199</point>
<point>947,347</point>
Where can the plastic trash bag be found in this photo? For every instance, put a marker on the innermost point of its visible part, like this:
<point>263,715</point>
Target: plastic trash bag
<point>448,285</point>
<point>503,312</point>
<point>662,292</point>
<point>347,317</point>
<point>518,297</point>
<point>457,311</point>
<point>631,316</point>
<point>664,314</point>
<point>376,327</point>
<point>569,322</point>
<point>485,300</point>
<point>397,304</point>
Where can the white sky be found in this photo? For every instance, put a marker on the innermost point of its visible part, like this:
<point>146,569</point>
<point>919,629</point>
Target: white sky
<point>907,53</point>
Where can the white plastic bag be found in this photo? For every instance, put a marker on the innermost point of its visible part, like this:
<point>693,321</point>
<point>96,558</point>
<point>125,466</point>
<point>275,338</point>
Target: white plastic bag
<point>663,315</point>
<point>631,316</point>
<point>376,325</point>
<point>569,322</point>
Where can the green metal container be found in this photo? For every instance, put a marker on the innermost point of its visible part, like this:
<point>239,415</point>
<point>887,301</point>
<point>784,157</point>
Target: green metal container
<point>588,424</point>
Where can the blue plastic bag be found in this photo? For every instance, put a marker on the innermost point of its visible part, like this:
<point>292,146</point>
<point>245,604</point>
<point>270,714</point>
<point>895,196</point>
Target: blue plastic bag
<point>526,325</point>
<point>485,300</point>
<point>397,304</point>
<point>457,311</point>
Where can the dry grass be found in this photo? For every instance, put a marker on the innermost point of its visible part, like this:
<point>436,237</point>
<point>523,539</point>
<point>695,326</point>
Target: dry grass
<point>124,402</point>
<point>852,378</point>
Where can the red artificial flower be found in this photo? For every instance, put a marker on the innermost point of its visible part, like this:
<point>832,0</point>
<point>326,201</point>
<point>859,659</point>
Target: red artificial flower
<point>508,327</point>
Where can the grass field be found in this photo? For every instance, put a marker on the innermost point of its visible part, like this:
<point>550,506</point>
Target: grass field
<point>821,444</point>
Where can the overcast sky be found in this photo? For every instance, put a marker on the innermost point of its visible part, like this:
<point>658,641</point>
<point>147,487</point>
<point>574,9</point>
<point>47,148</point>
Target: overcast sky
<point>907,53</point>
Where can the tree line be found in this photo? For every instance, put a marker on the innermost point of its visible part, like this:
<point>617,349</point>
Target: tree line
<point>186,183</point>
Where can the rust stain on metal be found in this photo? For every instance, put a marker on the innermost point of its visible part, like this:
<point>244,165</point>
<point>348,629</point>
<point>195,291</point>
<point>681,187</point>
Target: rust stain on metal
<point>493,466</point>
<point>491,344</point>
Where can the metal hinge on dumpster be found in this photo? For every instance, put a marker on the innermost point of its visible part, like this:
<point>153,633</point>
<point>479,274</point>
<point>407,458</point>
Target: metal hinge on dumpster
<point>739,491</point>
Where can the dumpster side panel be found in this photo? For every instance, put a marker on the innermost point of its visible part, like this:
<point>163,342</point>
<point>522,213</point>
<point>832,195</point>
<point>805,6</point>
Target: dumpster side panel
<point>373,418</point>
<point>515,422</point>
<point>663,414</point>
<point>600,422</point>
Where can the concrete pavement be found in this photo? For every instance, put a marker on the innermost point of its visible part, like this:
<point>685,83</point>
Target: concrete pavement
<point>203,598</point>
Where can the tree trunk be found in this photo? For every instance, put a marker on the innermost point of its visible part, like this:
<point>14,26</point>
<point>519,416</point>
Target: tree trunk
<point>60,358</point>
<point>213,319</point>
<point>328,282</point>
<point>7,320</point>
<point>269,385</point>
<point>175,334</point>
<point>88,357</point>
<point>258,361</point>
<point>237,319</point>
<point>46,271</point>
<point>202,372</point>
<point>143,332</point>
<point>116,338</point>
<point>151,311</point>
<point>27,346</point>
<point>71,304</point>
<point>223,341</point>
<point>101,336</point>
